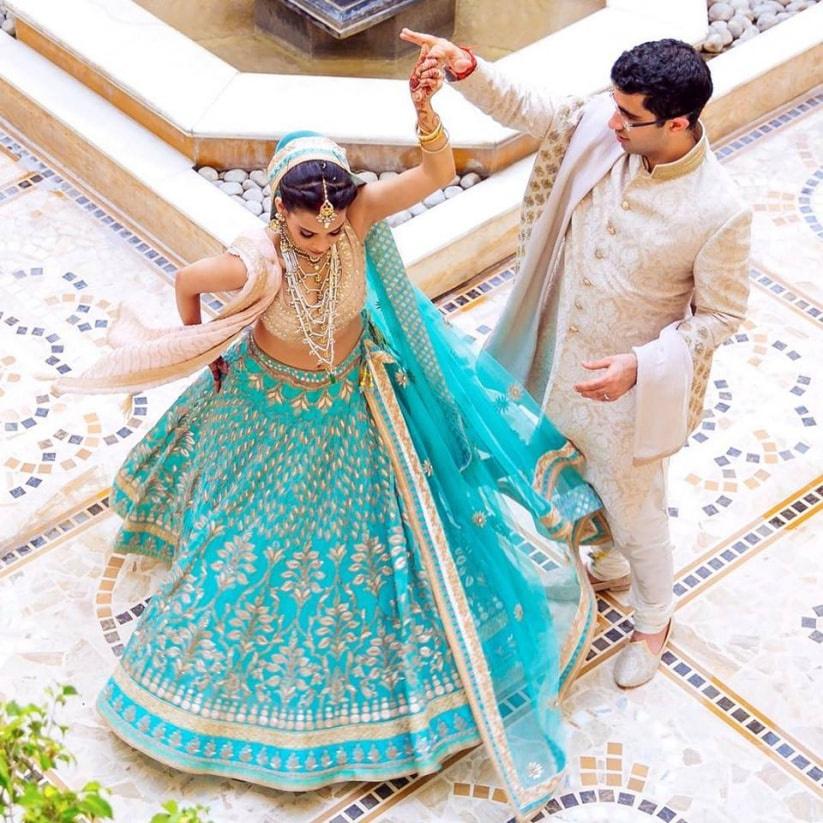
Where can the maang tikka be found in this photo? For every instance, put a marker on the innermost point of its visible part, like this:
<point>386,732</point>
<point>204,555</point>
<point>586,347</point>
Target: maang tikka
<point>327,215</point>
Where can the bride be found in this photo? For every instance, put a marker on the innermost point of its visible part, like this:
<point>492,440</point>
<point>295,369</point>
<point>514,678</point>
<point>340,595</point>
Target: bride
<point>371,532</point>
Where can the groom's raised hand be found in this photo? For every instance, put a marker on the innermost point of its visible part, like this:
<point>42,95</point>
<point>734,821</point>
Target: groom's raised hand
<point>444,51</point>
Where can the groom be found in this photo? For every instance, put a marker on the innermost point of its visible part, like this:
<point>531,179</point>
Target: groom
<point>632,270</point>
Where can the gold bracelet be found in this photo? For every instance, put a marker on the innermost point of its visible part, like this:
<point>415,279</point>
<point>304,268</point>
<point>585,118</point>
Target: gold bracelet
<point>433,139</point>
<point>424,135</point>
<point>436,151</point>
<point>431,136</point>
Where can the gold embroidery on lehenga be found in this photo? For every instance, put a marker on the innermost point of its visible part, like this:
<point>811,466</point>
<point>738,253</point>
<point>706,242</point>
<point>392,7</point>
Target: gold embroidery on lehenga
<point>308,381</point>
<point>337,731</point>
<point>393,759</point>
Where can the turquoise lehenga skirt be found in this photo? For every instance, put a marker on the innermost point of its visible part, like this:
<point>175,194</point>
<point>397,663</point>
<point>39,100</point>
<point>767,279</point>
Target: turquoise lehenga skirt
<point>351,596</point>
<point>296,640</point>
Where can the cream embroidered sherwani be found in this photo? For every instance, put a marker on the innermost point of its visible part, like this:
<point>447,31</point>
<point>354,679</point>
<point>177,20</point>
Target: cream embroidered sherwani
<point>641,254</point>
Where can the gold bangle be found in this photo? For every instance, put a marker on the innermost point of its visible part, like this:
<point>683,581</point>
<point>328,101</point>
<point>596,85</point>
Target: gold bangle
<point>436,151</point>
<point>424,135</point>
<point>433,139</point>
<point>428,137</point>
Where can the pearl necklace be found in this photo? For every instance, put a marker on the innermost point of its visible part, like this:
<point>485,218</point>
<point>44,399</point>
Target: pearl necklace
<point>315,306</point>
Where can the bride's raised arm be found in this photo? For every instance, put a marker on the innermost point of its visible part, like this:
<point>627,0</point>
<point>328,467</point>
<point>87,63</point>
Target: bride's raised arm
<point>384,197</point>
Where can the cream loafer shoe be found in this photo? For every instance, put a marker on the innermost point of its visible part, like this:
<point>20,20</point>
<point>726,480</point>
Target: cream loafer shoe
<point>616,584</point>
<point>636,664</point>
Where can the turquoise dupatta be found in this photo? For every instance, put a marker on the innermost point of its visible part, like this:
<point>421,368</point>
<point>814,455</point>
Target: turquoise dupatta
<point>492,494</point>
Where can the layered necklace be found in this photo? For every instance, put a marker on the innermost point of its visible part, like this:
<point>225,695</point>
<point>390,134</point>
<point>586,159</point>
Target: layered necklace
<point>313,285</point>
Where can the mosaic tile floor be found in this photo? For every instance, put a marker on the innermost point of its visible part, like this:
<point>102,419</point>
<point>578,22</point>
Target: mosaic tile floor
<point>730,730</point>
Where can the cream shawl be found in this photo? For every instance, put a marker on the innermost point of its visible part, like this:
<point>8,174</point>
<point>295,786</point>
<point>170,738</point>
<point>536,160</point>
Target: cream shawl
<point>591,153</point>
<point>143,357</point>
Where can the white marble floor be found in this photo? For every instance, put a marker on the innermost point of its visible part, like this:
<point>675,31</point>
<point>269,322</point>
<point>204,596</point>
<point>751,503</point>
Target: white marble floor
<point>730,730</point>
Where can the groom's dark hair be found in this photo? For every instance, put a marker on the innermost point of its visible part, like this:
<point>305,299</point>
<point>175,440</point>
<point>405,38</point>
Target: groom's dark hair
<point>670,74</point>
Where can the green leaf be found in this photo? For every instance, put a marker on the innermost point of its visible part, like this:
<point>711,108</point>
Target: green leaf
<point>32,794</point>
<point>96,806</point>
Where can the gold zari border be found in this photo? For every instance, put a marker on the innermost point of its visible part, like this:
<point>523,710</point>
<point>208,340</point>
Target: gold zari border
<point>168,712</point>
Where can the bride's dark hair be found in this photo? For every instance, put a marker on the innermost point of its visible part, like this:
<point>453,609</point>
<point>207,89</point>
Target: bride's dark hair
<point>302,186</point>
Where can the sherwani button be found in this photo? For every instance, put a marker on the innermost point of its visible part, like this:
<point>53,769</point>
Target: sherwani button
<point>598,253</point>
<point>625,205</point>
<point>573,329</point>
<point>586,281</point>
<point>611,229</point>
<point>578,304</point>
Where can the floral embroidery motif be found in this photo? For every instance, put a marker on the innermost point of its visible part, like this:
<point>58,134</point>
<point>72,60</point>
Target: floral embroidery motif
<point>290,615</point>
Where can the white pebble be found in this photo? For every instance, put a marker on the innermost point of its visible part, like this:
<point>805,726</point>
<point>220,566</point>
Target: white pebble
<point>452,191</point>
<point>799,5</point>
<point>267,190</point>
<point>747,35</point>
<point>231,187</point>
<point>768,7</point>
<point>254,206</point>
<point>259,177</point>
<point>455,181</point>
<point>235,176</point>
<point>417,209</point>
<point>434,199</point>
<point>400,218</point>
<point>8,26</point>
<point>737,25</point>
<point>254,194</point>
<point>713,43</point>
<point>369,177</point>
<point>721,27</point>
<point>267,205</point>
<point>209,173</point>
<point>766,21</point>
<point>387,175</point>
<point>470,179</point>
<point>250,184</point>
<point>721,11</point>
<point>743,8</point>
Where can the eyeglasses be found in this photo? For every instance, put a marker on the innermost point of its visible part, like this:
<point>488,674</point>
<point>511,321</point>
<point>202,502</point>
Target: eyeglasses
<point>628,125</point>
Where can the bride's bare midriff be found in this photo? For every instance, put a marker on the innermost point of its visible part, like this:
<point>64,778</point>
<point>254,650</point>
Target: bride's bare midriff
<point>297,355</point>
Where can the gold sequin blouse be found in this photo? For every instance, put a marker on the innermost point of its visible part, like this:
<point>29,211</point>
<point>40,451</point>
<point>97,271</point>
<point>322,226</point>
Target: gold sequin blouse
<point>280,318</point>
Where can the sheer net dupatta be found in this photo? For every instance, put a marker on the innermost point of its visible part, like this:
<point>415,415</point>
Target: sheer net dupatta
<point>143,357</point>
<point>497,509</point>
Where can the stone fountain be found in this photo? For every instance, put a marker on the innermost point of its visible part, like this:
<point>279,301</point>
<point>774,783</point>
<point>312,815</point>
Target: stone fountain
<point>352,28</point>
